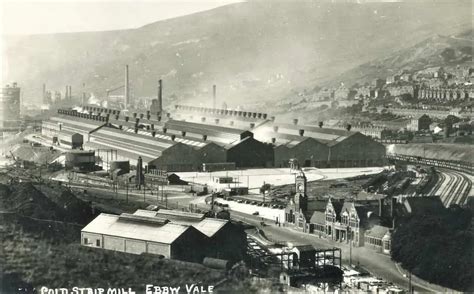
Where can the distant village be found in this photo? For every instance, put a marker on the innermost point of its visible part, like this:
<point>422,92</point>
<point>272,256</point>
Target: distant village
<point>416,106</point>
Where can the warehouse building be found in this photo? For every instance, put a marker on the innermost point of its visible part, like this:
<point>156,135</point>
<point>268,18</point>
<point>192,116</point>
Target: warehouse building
<point>174,234</point>
<point>307,151</point>
<point>326,147</point>
<point>175,145</point>
<point>140,234</point>
<point>240,145</point>
<point>226,240</point>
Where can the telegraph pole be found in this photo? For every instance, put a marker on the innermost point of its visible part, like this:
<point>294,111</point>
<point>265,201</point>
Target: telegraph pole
<point>410,290</point>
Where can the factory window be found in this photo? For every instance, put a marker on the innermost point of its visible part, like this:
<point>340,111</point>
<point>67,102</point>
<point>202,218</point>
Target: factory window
<point>86,241</point>
<point>97,243</point>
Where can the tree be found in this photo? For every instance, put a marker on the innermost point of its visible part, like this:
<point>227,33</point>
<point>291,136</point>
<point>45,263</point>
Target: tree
<point>437,247</point>
<point>320,124</point>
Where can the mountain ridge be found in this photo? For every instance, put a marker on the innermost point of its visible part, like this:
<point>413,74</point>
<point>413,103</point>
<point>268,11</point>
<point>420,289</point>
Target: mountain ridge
<point>251,50</point>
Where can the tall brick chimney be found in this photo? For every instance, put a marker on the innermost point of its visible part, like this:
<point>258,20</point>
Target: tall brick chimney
<point>160,95</point>
<point>127,89</point>
<point>214,92</point>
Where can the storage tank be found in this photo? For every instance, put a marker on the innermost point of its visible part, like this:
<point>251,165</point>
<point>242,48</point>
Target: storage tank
<point>216,263</point>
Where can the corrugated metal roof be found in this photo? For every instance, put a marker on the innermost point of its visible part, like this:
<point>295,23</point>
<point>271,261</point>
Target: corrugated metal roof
<point>164,213</point>
<point>144,212</point>
<point>108,224</point>
<point>210,226</point>
<point>289,133</point>
<point>131,155</point>
<point>203,128</point>
<point>79,123</point>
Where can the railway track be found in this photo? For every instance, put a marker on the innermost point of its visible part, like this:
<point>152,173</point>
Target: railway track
<point>439,182</point>
<point>452,187</point>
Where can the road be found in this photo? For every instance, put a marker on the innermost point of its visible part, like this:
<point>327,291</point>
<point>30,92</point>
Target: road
<point>378,264</point>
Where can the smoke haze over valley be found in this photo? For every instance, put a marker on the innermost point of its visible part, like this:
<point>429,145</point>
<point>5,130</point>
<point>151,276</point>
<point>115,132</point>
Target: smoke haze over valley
<point>253,51</point>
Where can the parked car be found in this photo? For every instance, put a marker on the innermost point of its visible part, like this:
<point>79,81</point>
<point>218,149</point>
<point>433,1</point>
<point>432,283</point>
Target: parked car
<point>256,213</point>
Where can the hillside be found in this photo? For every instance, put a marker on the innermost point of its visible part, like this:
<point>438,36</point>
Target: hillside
<point>432,52</point>
<point>253,51</point>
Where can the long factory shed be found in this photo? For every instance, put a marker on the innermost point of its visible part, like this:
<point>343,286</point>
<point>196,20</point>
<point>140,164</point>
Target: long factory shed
<point>166,143</point>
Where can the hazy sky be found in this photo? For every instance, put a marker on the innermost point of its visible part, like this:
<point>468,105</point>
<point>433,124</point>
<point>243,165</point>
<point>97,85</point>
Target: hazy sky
<point>41,17</point>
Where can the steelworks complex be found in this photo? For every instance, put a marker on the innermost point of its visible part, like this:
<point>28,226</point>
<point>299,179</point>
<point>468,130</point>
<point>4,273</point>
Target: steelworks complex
<point>189,138</point>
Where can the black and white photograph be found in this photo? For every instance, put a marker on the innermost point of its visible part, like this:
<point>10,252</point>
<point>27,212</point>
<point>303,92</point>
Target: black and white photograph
<point>236,146</point>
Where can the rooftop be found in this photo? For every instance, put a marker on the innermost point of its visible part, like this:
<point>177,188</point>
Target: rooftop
<point>108,224</point>
<point>210,226</point>
<point>377,231</point>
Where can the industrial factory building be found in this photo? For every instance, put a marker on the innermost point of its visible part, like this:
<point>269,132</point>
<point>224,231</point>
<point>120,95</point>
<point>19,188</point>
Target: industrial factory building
<point>166,143</point>
<point>170,233</point>
<point>226,240</point>
<point>240,146</point>
<point>320,147</point>
<point>139,234</point>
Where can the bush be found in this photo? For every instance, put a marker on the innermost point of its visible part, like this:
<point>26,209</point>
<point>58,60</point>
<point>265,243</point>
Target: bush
<point>437,248</point>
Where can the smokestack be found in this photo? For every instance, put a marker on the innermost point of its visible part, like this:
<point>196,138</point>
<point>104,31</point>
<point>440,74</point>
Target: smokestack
<point>160,95</point>
<point>127,90</point>
<point>66,94</point>
<point>70,92</point>
<point>214,90</point>
<point>139,175</point>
